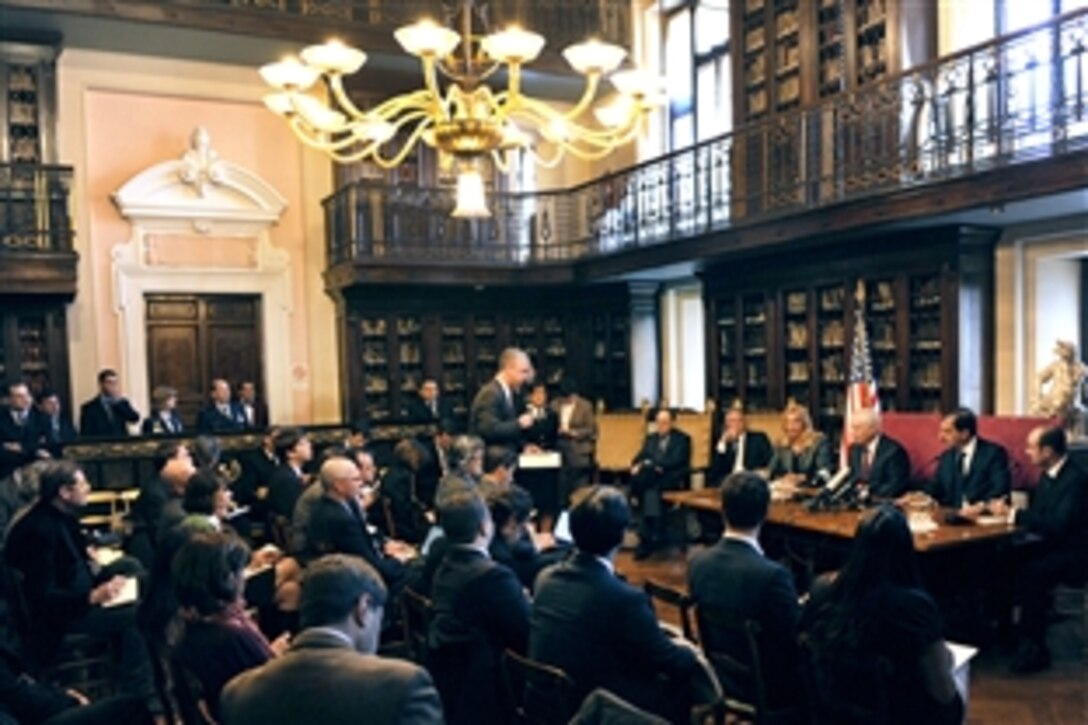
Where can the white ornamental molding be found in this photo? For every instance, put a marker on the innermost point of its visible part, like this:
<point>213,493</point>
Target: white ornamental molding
<point>201,192</point>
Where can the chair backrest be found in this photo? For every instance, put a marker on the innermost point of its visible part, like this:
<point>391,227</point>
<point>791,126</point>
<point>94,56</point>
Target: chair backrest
<point>740,669</point>
<point>416,614</point>
<point>672,598</point>
<point>188,695</point>
<point>845,687</point>
<point>541,694</point>
<point>280,529</point>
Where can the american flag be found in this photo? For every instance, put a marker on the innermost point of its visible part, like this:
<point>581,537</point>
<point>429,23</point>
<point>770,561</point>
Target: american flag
<point>861,389</point>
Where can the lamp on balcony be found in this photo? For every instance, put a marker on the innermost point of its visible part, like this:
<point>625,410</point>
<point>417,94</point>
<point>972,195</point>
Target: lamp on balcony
<point>466,119</point>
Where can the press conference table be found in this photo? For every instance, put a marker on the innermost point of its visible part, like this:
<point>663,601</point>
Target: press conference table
<point>841,525</point>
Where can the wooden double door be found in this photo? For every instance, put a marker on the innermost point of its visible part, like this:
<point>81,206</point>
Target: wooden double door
<point>193,339</point>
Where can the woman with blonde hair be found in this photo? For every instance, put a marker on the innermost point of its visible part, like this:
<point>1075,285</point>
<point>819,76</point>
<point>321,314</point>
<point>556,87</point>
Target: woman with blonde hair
<point>803,452</point>
<point>164,418</point>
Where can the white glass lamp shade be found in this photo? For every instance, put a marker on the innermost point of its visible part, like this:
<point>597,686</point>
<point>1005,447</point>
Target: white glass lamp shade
<point>427,38</point>
<point>513,45</point>
<point>471,200</point>
<point>317,114</point>
<point>373,130</point>
<point>638,84</point>
<point>334,57</point>
<point>617,113</point>
<point>289,73</point>
<point>593,56</point>
<point>279,103</point>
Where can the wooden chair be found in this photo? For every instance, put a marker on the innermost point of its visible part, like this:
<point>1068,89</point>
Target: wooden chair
<point>670,597</point>
<point>845,688</point>
<point>540,694</point>
<point>416,614</point>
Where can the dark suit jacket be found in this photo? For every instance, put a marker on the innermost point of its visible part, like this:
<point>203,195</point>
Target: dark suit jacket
<point>153,425</point>
<point>810,461</point>
<point>284,488</point>
<point>260,414</point>
<point>579,447</point>
<point>603,633</point>
<point>27,436</point>
<point>210,420</point>
<point>757,454</point>
<point>544,430</point>
<point>334,529</point>
<point>321,679</point>
<point>419,412</point>
<point>480,610</point>
<point>889,471</point>
<point>733,577</point>
<point>95,422</point>
<point>1059,510</point>
<point>988,477</point>
<point>430,472</point>
<point>54,439</point>
<point>495,420</point>
<point>674,462</point>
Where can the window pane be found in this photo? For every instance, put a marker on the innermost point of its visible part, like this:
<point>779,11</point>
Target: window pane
<point>678,61</point>
<point>711,25</point>
<point>683,131</point>
<point>713,108</point>
<point>1021,14</point>
<point>1070,5</point>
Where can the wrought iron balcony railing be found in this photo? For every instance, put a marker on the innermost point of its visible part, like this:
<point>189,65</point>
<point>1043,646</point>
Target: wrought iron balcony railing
<point>1017,98</point>
<point>34,208</point>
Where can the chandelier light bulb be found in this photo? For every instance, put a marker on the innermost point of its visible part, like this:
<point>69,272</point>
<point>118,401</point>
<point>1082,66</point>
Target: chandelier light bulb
<point>513,45</point>
<point>427,39</point>
<point>593,56</point>
<point>289,73</point>
<point>279,103</point>
<point>334,57</point>
<point>638,84</point>
<point>471,200</point>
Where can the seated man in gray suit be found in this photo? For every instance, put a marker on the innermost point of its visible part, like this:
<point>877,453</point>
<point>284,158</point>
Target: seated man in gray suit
<point>330,674</point>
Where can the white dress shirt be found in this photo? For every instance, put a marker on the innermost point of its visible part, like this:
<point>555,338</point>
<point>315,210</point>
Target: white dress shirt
<point>750,540</point>
<point>738,461</point>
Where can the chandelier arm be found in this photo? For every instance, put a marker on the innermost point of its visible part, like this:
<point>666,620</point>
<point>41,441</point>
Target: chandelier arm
<point>300,128</point>
<point>389,108</point>
<point>406,149</point>
<point>336,83</point>
<point>547,163</point>
<point>542,115</point>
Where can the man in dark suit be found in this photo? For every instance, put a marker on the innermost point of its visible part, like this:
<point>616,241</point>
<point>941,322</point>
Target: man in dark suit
<point>435,464</point>
<point>294,451</point>
<point>254,409</point>
<point>577,439</point>
<point>221,414</point>
<point>480,610</point>
<point>601,631</point>
<point>158,507</point>
<point>739,449</point>
<point>876,460</point>
<point>972,471</point>
<point>428,406</point>
<point>66,590</point>
<point>108,414</point>
<point>735,578</point>
<point>496,415</point>
<point>330,674</point>
<point>20,431</point>
<point>663,464</point>
<point>545,426</point>
<point>338,524</point>
<point>1058,516</point>
<point>54,427</point>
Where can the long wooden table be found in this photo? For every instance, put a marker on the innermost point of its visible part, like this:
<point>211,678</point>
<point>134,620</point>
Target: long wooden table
<point>843,524</point>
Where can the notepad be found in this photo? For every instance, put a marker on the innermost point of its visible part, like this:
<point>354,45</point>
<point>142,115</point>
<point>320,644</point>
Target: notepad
<point>128,594</point>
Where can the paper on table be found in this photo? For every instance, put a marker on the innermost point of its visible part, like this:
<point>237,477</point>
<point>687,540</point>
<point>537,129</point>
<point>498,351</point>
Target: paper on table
<point>128,594</point>
<point>992,521</point>
<point>106,556</point>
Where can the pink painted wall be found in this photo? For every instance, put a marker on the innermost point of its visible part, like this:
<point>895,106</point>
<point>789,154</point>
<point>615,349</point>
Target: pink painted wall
<point>127,132</point>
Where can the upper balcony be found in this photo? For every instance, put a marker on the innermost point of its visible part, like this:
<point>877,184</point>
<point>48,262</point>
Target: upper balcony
<point>36,234</point>
<point>937,139</point>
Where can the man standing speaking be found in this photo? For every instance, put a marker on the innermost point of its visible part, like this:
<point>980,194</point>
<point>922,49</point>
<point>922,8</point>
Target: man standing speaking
<point>498,412</point>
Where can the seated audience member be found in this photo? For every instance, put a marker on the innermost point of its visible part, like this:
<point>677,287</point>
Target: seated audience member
<point>20,431</point>
<point>314,491</point>
<point>403,516</point>
<point>294,450</point>
<point>251,488</point>
<point>739,449</point>
<point>803,453</point>
<point>480,610</point>
<point>207,453</point>
<point>735,577</point>
<point>971,471</point>
<point>499,469</point>
<point>221,414</point>
<point>876,460</point>
<point>1058,516</point>
<point>26,701</point>
<point>428,406</point>
<point>164,419</point>
<point>576,439</point>
<point>108,414</point>
<point>55,427</point>
<point>66,590</point>
<point>876,605</point>
<point>253,406</point>
<point>218,639</point>
<point>338,525</point>
<point>18,492</point>
<point>158,507</point>
<point>466,464</point>
<point>545,426</point>
<point>435,464</point>
<point>601,631</point>
<point>358,434</point>
<point>663,464</point>
<point>330,674</point>
<point>514,545</point>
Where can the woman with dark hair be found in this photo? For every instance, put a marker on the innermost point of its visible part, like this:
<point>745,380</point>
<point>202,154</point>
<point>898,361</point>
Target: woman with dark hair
<point>218,639</point>
<point>402,516</point>
<point>876,605</point>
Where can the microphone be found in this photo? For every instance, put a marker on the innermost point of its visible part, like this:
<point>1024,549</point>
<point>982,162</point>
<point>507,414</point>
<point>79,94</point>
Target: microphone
<point>834,488</point>
<point>839,486</point>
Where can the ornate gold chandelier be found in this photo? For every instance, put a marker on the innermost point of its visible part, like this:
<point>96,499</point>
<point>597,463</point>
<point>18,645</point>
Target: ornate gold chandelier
<point>467,120</point>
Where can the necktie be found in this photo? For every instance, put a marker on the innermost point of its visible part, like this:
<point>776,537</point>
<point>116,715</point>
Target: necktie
<point>662,445</point>
<point>224,411</point>
<point>866,464</point>
<point>960,477</point>
<point>434,408</point>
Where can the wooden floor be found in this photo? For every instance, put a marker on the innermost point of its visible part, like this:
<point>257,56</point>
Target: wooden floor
<point>1056,697</point>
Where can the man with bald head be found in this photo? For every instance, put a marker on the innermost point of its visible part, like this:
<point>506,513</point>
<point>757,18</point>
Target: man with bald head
<point>498,412</point>
<point>338,524</point>
<point>221,415</point>
<point>876,460</point>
